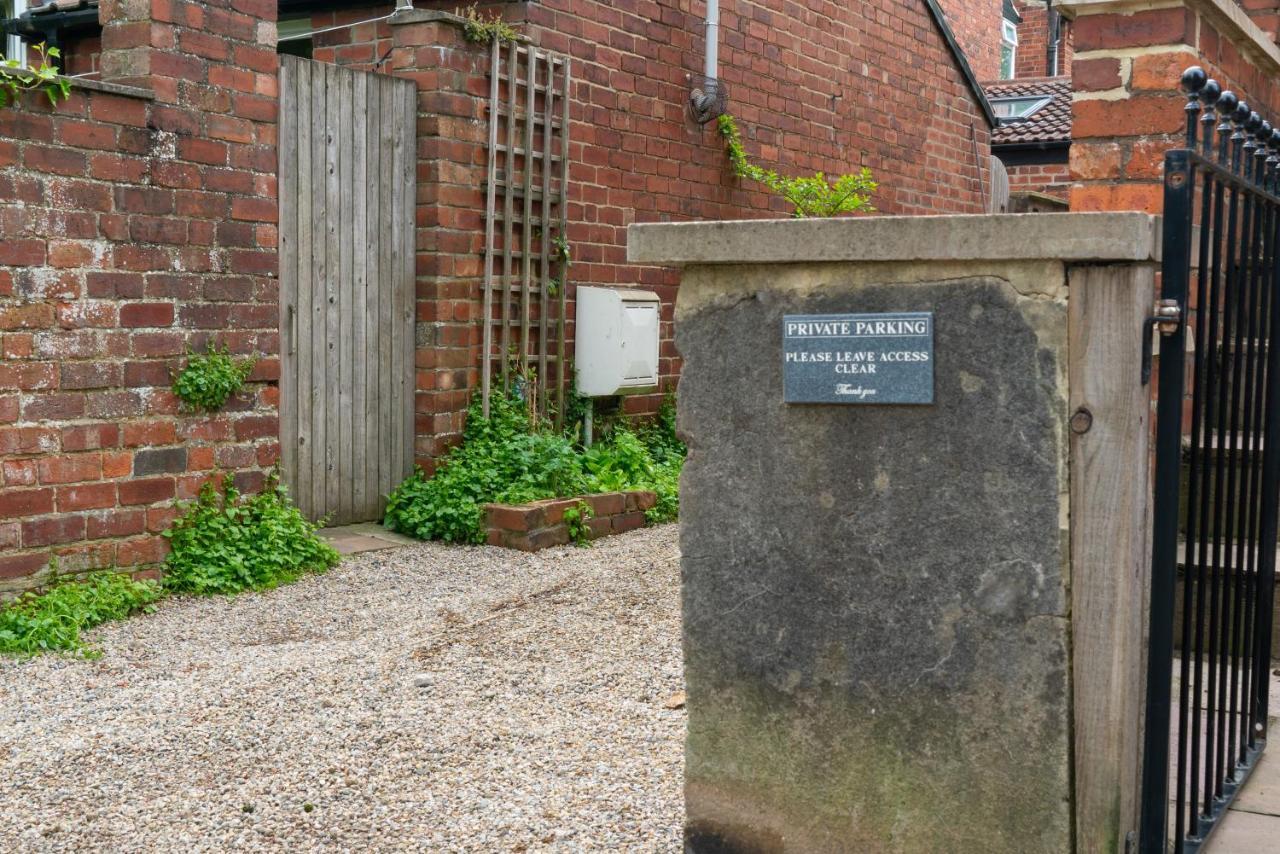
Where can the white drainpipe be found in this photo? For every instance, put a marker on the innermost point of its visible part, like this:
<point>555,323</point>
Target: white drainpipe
<point>713,40</point>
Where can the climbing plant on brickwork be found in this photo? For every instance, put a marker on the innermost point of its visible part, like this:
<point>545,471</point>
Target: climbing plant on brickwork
<point>42,76</point>
<point>812,196</point>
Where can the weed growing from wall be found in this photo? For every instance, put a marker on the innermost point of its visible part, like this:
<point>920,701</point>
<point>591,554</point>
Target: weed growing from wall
<point>207,381</point>
<point>41,76</point>
<point>226,542</point>
<point>483,30</point>
<point>814,196</point>
<point>53,621</point>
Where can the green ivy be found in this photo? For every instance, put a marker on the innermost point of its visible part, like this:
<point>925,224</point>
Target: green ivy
<point>53,621</point>
<point>207,381</point>
<point>226,542</point>
<point>14,79</point>
<point>505,460</point>
<point>814,196</point>
<point>483,30</point>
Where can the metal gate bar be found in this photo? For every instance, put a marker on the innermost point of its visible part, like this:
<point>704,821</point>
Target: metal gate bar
<point>531,168</point>
<point>1231,432</point>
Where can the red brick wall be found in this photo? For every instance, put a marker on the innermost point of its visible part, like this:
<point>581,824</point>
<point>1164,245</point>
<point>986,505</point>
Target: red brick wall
<point>131,229</point>
<point>1265,13</point>
<point>1053,179</point>
<point>1033,42</point>
<point>976,24</point>
<point>1127,110</point>
<point>812,92</point>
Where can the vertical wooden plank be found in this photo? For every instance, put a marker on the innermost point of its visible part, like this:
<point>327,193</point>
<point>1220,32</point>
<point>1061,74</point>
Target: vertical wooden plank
<point>395,434</point>
<point>491,204</point>
<point>408,222</point>
<point>563,329</point>
<point>508,208</point>
<point>544,300</point>
<point>334,118</point>
<point>526,235</point>
<point>1110,546</point>
<point>287,161</point>
<point>362,508</point>
<point>319,274</point>
<point>346,287</point>
<point>386,218</point>
<point>373,325</point>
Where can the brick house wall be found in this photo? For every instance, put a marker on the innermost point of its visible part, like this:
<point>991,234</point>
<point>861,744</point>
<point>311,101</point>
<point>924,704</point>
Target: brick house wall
<point>167,201</point>
<point>810,91</point>
<point>135,224</point>
<point>1127,110</point>
<point>977,24</point>
<point>1053,179</point>
<point>1033,42</point>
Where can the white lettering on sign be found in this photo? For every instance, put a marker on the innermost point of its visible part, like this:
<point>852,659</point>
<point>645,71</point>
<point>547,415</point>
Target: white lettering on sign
<point>855,329</point>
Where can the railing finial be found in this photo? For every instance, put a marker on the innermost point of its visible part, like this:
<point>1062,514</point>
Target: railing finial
<point>1193,80</point>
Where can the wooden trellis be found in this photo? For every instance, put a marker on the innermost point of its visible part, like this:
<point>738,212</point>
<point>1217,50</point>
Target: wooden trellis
<point>525,269</point>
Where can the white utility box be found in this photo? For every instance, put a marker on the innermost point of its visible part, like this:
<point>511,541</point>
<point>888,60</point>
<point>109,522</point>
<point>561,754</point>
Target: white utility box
<point>617,340</point>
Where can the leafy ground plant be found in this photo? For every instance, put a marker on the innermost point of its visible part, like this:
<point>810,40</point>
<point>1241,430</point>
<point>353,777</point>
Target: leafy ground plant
<point>42,75</point>
<point>207,381</point>
<point>226,542</point>
<point>504,459</point>
<point>812,196</point>
<point>53,621</point>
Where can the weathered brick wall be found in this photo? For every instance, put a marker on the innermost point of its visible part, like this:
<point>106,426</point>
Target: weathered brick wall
<point>135,226</point>
<point>1033,42</point>
<point>1053,179</point>
<point>976,24</point>
<point>824,87</point>
<point>1127,109</point>
<point>1265,13</point>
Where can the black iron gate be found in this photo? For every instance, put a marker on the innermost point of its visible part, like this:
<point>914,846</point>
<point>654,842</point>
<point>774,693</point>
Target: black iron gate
<point>1217,469</point>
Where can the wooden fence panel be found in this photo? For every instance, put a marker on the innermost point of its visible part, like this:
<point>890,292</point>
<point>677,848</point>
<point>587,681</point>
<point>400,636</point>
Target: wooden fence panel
<point>347,296</point>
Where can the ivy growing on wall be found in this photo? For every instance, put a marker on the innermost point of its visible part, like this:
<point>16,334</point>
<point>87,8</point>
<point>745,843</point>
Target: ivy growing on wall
<point>812,196</point>
<point>41,76</point>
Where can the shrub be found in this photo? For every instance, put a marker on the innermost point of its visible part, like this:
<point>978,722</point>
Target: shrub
<point>226,542</point>
<point>54,620</point>
<point>812,196</point>
<point>207,381</point>
<point>500,460</point>
<point>483,30</point>
<point>504,460</point>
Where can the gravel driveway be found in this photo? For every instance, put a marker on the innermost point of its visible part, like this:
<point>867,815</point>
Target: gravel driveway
<point>294,720</point>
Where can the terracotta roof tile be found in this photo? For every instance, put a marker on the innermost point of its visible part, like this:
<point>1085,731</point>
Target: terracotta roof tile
<point>1050,123</point>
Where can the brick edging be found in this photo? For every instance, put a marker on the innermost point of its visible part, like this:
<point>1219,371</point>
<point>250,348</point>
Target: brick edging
<point>541,525</point>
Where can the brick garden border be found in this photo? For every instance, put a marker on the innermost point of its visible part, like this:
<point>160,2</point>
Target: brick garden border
<point>541,525</point>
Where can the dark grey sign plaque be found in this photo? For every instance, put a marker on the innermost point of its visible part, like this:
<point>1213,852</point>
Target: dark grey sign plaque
<point>858,358</point>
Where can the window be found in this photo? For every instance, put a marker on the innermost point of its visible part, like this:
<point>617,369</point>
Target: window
<point>1008,49</point>
<point>13,47</point>
<point>1016,109</point>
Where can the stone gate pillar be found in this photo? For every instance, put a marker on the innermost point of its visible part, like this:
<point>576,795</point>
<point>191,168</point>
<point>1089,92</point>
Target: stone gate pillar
<point>889,607</point>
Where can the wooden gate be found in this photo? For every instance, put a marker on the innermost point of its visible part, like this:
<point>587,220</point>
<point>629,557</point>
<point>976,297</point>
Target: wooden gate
<point>347,200</point>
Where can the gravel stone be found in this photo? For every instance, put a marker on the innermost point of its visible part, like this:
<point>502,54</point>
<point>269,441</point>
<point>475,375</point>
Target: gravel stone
<point>284,721</point>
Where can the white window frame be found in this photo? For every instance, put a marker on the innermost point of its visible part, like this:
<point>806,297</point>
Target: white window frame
<point>14,46</point>
<point>1009,39</point>
<point>1029,105</point>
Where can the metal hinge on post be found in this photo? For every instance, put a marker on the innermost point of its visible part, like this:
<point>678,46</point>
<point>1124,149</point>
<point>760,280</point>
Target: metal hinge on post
<point>1167,318</point>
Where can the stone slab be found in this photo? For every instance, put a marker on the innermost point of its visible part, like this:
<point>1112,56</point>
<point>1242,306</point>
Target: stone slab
<point>1069,237</point>
<point>876,638</point>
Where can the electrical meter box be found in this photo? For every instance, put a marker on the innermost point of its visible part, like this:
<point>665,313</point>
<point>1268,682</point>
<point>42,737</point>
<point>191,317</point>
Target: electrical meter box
<point>617,341</point>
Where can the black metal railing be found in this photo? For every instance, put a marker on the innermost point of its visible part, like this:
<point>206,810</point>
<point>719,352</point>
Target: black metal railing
<point>1217,469</point>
